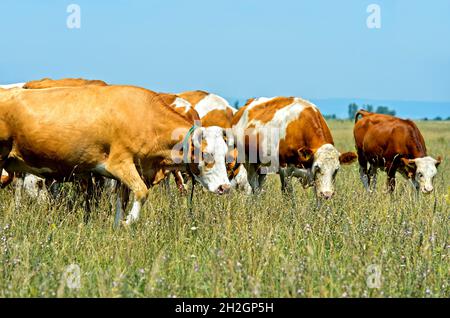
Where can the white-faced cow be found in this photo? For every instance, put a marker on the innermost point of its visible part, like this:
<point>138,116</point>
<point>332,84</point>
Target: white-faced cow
<point>392,144</point>
<point>120,132</point>
<point>290,135</point>
<point>214,110</point>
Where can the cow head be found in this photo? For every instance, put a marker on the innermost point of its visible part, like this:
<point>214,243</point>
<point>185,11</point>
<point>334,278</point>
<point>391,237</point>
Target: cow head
<point>422,172</point>
<point>209,153</point>
<point>325,163</point>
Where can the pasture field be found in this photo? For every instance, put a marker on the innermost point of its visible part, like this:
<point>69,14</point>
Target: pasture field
<point>238,246</point>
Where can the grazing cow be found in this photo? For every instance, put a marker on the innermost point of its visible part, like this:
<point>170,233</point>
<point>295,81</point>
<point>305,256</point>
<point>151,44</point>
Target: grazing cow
<point>392,144</point>
<point>72,82</point>
<point>215,111</point>
<point>121,132</point>
<point>32,185</point>
<point>212,109</point>
<point>292,132</point>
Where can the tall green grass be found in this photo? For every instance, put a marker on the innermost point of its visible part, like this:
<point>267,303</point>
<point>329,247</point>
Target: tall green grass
<point>239,246</point>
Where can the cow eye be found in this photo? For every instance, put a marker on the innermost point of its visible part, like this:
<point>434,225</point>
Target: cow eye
<point>420,175</point>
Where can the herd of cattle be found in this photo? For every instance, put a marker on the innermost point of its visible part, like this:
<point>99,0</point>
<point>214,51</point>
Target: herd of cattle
<point>54,131</point>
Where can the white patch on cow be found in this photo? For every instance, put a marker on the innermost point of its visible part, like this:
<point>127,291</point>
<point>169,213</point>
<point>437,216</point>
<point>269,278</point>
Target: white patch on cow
<point>180,102</point>
<point>134,213</point>
<point>258,101</point>
<point>33,186</point>
<point>211,102</point>
<point>9,86</point>
<point>425,172</point>
<point>240,181</point>
<point>326,164</point>
<point>269,140</point>
<point>215,177</point>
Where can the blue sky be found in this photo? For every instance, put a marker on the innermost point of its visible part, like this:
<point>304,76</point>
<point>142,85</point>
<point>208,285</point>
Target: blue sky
<point>318,49</point>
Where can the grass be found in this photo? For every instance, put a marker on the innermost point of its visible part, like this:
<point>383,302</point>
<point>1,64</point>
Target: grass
<point>238,246</point>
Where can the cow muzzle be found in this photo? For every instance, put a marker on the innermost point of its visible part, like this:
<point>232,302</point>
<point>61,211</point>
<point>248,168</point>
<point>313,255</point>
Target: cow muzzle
<point>327,195</point>
<point>427,190</point>
<point>223,189</point>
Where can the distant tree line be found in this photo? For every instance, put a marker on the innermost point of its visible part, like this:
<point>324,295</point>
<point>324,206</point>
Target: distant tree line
<point>353,108</point>
<point>438,118</point>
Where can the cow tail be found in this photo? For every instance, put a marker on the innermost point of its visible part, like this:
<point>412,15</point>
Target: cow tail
<point>361,113</point>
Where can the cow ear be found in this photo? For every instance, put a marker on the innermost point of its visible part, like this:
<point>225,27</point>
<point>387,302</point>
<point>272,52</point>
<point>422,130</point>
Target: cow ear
<point>408,163</point>
<point>348,158</point>
<point>305,155</point>
<point>438,161</point>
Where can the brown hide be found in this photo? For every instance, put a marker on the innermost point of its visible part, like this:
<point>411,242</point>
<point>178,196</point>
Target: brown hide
<point>74,130</point>
<point>383,140</point>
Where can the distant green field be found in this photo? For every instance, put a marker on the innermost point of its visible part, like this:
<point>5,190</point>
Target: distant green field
<point>239,246</point>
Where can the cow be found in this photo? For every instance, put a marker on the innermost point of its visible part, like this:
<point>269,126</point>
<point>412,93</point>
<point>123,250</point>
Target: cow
<point>392,144</point>
<point>35,186</point>
<point>122,132</point>
<point>291,136</point>
<point>72,82</point>
<point>31,184</point>
<point>212,109</point>
<point>216,111</point>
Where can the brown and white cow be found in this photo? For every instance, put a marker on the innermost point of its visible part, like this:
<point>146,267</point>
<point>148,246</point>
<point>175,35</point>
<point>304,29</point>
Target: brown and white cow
<point>120,132</point>
<point>214,110</point>
<point>290,132</point>
<point>392,144</point>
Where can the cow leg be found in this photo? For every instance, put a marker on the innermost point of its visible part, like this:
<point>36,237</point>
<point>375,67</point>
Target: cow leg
<point>364,176</point>
<point>253,177</point>
<point>166,184</point>
<point>179,181</point>
<point>18,190</point>
<point>89,197</point>
<point>373,170</point>
<point>391,184</point>
<point>126,172</point>
<point>391,170</point>
<point>261,180</point>
<point>363,172</point>
<point>391,181</point>
<point>122,198</point>
<point>286,182</point>
<point>54,188</point>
